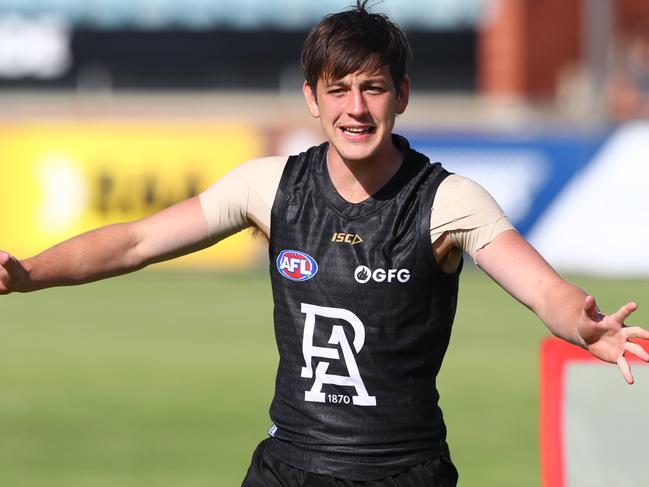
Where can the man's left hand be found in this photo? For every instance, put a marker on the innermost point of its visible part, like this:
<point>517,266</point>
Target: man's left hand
<point>608,338</point>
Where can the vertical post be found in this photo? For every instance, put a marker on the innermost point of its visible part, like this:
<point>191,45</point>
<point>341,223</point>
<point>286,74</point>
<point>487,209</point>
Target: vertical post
<point>598,25</point>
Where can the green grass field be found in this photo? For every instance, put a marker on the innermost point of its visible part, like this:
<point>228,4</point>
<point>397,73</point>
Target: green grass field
<point>164,379</point>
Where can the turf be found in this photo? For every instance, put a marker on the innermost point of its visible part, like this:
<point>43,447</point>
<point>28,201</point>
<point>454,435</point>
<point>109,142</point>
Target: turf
<point>164,379</point>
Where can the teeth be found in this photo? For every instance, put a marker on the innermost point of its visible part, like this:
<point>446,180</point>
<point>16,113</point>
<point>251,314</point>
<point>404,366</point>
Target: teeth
<point>357,130</point>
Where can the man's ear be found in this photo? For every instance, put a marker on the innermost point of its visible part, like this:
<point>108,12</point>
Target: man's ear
<point>403,95</point>
<point>311,100</point>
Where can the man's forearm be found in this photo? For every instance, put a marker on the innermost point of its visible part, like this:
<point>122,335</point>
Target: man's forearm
<point>110,251</point>
<point>561,311</point>
<point>104,252</point>
<point>514,264</point>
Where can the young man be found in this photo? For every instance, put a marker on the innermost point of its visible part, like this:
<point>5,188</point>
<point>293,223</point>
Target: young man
<point>365,244</point>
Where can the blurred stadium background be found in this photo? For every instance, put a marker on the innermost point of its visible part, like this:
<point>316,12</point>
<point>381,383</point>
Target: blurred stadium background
<point>110,110</point>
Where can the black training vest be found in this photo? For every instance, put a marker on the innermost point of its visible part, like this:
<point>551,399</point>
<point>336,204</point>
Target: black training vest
<point>362,318</point>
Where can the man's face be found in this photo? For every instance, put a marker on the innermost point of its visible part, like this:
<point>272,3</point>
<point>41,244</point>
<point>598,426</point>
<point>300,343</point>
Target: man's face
<point>357,113</point>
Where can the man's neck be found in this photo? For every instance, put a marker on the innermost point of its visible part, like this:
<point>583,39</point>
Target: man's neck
<point>355,181</point>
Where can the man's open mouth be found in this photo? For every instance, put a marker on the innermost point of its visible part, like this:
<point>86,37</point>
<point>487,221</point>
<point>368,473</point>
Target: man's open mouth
<point>358,130</point>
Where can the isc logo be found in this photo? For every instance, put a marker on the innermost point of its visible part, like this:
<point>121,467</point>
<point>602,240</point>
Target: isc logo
<point>350,238</point>
<point>296,265</point>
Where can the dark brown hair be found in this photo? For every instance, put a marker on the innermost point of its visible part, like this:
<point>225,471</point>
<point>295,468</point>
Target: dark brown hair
<point>354,40</point>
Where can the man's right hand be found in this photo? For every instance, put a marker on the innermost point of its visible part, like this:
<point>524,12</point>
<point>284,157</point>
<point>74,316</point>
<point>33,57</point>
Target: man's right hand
<point>12,273</point>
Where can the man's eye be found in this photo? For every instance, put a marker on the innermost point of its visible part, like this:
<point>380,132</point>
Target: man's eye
<point>375,89</point>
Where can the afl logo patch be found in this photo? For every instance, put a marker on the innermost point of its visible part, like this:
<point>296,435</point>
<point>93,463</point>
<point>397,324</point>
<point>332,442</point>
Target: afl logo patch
<point>296,265</point>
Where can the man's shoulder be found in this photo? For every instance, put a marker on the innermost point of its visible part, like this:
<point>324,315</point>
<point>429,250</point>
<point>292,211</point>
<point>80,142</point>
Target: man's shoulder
<point>461,185</point>
<point>460,194</point>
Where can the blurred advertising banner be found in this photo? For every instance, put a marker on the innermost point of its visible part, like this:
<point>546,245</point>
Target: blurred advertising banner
<point>64,178</point>
<point>167,44</point>
<point>580,198</point>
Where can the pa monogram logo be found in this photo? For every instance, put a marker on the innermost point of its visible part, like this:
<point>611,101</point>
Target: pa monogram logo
<point>339,341</point>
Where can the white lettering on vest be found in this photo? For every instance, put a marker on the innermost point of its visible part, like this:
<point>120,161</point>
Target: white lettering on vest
<point>292,264</point>
<point>338,338</point>
<point>364,274</point>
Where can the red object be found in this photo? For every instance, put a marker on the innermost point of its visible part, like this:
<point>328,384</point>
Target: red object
<point>556,355</point>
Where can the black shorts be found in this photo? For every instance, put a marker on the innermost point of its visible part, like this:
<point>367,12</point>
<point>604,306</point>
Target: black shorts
<point>267,471</point>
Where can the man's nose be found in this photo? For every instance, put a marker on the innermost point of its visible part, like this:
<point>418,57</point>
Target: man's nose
<point>356,104</point>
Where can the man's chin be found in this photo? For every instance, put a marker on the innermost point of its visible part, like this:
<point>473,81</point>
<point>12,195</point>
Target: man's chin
<point>358,158</point>
<point>356,152</point>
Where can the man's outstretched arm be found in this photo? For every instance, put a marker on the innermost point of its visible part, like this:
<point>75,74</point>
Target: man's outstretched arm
<point>566,310</point>
<point>109,251</point>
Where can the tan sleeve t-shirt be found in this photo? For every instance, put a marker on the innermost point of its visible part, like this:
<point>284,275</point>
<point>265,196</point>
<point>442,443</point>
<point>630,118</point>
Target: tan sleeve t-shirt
<point>245,195</point>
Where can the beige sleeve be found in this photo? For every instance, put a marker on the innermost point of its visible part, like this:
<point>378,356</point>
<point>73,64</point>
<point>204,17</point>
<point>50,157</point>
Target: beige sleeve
<point>242,196</point>
<point>468,213</point>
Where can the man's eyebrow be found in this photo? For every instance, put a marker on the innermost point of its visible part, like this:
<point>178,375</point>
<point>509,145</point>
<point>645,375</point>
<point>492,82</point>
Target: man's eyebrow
<point>341,82</point>
<point>374,79</point>
<point>335,82</point>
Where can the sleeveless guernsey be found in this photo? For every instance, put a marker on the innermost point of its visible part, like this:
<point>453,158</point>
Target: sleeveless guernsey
<point>362,320</point>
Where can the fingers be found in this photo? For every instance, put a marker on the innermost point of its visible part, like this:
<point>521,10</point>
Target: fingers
<point>636,332</point>
<point>6,268</point>
<point>4,281</point>
<point>5,263</point>
<point>637,350</point>
<point>623,313</point>
<point>625,368</point>
<point>590,307</point>
<point>8,262</point>
<point>4,260</point>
